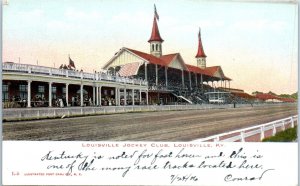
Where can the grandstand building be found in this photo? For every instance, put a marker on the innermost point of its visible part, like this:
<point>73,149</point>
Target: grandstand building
<point>170,78</point>
<point>27,85</point>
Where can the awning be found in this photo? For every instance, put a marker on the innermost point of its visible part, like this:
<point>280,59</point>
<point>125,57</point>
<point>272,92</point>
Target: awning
<point>130,69</point>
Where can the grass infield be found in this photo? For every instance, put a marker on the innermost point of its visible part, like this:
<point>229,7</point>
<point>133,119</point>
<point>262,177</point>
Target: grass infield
<point>289,135</point>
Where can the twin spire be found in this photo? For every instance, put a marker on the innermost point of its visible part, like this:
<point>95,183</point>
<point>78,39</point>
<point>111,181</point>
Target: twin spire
<point>156,41</point>
<point>155,36</point>
<point>200,52</point>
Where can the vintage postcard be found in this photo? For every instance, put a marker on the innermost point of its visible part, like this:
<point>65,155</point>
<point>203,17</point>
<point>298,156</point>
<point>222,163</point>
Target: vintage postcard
<point>149,92</point>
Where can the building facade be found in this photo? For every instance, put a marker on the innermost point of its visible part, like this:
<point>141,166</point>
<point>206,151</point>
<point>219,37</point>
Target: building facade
<point>169,77</point>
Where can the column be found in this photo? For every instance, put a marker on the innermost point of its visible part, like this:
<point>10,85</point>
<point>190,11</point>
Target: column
<point>67,94</point>
<point>97,95</point>
<point>182,78</point>
<point>201,82</point>
<point>125,97</point>
<point>132,96</point>
<point>146,72</point>
<point>94,89</point>
<point>156,75</point>
<point>81,95</point>
<point>190,78</point>
<point>140,96</point>
<point>28,93</point>
<point>147,98</point>
<point>100,99</point>
<point>50,94</point>
<point>166,76</point>
<point>116,96</point>
<point>229,84</point>
<point>196,78</point>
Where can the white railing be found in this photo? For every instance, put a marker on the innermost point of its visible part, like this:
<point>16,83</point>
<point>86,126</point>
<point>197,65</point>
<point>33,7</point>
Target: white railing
<point>25,68</point>
<point>242,134</point>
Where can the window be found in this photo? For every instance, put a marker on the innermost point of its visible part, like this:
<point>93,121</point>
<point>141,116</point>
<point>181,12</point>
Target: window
<point>41,89</point>
<point>23,88</point>
<point>5,92</point>
<point>23,91</point>
<point>54,89</point>
<point>156,47</point>
<point>152,47</point>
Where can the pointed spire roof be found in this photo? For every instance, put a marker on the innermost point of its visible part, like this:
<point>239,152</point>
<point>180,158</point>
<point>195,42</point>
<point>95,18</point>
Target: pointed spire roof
<point>200,52</point>
<point>155,36</point>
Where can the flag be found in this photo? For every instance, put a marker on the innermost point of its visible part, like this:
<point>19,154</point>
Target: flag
<point>71,63</point>
<point>155,13</point>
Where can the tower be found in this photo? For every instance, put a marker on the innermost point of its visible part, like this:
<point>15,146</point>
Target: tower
<point>155,39</point>
<point>200,56</point>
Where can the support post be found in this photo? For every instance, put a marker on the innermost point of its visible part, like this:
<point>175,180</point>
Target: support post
<point>166,75</point>
<point>274,130</point>
<point>242,136</point>
<point>201,82</point>
<point>81,95</point>
<point>67,94</point>
<point>146,72</point>
<point>94,95</point>
<point>140,96</point>
<point>196,78</point>
<point>28,93</point>
<point>147,97</point>
<point>97,95</point>
<point>125,96</point>
<point>190,79</point>
<point>156,75</point>
<point>50,94</point>
<point>182,78</point>
<point>100,96</point>
<point>132,96</point>
<point>262,133</point>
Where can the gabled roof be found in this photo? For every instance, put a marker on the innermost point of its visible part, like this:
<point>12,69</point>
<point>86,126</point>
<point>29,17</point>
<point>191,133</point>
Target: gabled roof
<point>155,36</point>
<point>164,60</point>
<point>150,58</point>
<point>168,58</point>
<point>129,69</point>
<point>198,70</point>
<point>212,70</point>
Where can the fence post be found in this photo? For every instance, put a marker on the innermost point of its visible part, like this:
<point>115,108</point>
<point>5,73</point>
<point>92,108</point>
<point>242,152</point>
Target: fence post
<point>283,127</point>
<point>262,133</point>
<point>274,130</point>
<point>292,122</point>
<point>217,139</point>
<point>242,136</point>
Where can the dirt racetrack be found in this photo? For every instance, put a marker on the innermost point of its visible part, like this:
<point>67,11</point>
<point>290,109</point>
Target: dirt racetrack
<point>147,126</point>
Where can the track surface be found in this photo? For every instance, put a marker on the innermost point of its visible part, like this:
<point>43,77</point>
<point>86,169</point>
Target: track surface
<point>150,126</point>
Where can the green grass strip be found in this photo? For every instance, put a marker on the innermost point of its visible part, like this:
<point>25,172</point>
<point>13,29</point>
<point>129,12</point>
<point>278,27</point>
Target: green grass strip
<point>288,135</point>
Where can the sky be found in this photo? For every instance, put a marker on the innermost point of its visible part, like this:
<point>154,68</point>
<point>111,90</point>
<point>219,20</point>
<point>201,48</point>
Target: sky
<point>255,43</point>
